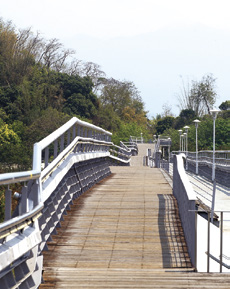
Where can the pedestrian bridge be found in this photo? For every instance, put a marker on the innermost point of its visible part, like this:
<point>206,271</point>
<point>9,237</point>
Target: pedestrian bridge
<point>90,215</point>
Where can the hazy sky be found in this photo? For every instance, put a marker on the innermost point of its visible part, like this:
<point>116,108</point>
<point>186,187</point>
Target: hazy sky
<point>153,43</point>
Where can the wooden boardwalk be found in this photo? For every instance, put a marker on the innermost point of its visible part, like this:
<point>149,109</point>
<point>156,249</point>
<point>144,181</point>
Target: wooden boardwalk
<point>124,233</point>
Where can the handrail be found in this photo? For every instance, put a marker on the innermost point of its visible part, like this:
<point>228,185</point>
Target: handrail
<point>9,178</point>
<point>218,260</point>
<point>36,172</point>
<point>70,149</point>
<point>123,152</point>
<point>73,121</point>
<point>205,151</point>
<point>34,219</point>
<point>222,158</point>
<point>209,255</point>
<point>18,223</point>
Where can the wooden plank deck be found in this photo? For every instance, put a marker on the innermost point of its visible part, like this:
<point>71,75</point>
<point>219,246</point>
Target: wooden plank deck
<point>123,233</point>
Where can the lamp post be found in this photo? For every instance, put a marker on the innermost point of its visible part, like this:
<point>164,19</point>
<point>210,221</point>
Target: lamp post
<point>214,113</point>
<point>182,143</point>
<point>180,132</point>
<point>184,137</point>
<point>196,121</point>
<point>186,130</point>
<point>169,140</point>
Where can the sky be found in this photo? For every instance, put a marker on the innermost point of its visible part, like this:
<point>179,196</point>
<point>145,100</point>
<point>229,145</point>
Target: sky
<point>156,44</point>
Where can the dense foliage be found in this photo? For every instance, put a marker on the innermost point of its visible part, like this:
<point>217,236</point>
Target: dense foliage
<point>40,89</point>
<point>205,132</point>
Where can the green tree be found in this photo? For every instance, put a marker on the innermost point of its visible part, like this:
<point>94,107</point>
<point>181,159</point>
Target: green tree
<point>205,134</point>
<point>119,95</point>
<point>225,105</point>
<point>10,148</point>
<point>185,117</point>
<point>164,124</point>
<point>200,96</point>
<point>49,120</point>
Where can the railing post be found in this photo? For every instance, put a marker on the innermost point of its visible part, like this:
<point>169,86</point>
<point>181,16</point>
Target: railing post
<point>78,130</point>
<point>68,137</point>
<point>8,204</point>
<point>208,243</point>
<point>213,199</point>
<point>24,200</point>
<point>196,241</point>
<point>46,156</point>
<point>62,142</point>
<point>55,148</point>
<point>74,132</point>
<point>221,241</point>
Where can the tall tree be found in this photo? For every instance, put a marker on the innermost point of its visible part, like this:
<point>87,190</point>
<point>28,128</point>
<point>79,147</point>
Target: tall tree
<point>200,96</point>
<point>225,105</point>
<point>119,95</point>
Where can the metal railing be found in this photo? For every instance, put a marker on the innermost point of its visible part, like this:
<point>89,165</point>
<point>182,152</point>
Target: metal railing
<point>140,139</point>
<point>204,164</point>
<point>213,237</point>
<point>120,153</point>
<point>222,158</point>
<point>186,198</point>
<point>196,222</point>
<point>65,164</point>
<point>131,145</point>
<point>136,139</point>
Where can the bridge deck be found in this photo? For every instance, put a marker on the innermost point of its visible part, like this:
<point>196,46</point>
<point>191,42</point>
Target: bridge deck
<point>124,233</point>
<point>129,221</point>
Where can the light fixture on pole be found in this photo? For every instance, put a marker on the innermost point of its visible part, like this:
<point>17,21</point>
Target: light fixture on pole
<point>169,142</point>
<point>214,113</point>
<point>182,142</point>
<point>180,132</point>
<point>184,137</point>
<point>196,121</point>
<point>186,130</point>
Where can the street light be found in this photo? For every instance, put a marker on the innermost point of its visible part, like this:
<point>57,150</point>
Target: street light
<point>180,132</point>
<point>214,113</point>
<point>169,140</point>
<point>184,139</point>
<point>186,130</point>
<point>182,142</point>
<point>196,121</point>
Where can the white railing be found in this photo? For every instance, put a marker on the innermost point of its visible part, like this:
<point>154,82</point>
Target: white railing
<point>131,145</point>
<point>222,158</point>
<point>136,139</point>
<point>23,234</point>
<point>186,198</point>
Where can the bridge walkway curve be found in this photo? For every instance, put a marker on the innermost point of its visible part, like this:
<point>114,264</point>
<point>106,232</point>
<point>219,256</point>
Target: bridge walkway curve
<point>123,233</point>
